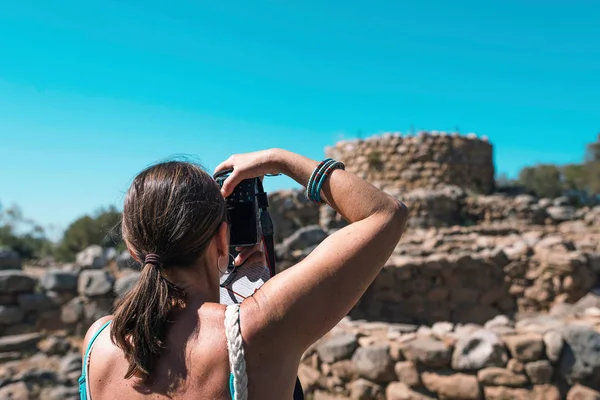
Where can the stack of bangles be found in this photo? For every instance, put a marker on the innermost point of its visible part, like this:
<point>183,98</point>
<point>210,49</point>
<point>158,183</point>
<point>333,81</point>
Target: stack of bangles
<point>318,177</point>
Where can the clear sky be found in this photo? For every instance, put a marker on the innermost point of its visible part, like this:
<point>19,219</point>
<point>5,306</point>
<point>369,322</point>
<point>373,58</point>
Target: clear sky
<point>93,91</point>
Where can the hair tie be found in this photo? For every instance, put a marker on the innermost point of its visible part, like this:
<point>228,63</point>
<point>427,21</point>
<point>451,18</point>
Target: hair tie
<point>153,259</point>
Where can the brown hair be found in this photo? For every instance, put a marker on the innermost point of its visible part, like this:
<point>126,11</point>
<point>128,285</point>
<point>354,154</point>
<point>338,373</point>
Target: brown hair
<point>172,211</point>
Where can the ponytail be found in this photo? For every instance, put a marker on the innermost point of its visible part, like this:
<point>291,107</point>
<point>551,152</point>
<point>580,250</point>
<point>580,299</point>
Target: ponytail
<point>140,320</point>
<point>171,213</point>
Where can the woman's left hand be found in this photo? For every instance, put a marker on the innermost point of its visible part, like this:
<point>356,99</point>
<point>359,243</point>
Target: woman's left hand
<point>250,255</point>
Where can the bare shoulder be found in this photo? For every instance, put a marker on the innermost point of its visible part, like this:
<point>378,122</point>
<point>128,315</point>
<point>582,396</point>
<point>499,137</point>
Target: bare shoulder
<point>92,330</point>
<point>256,321</point>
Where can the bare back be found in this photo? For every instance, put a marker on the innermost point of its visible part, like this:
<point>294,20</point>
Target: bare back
<point>194,364</point>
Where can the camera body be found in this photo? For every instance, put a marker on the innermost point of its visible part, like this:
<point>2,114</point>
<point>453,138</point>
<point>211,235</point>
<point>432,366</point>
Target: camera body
<point>243,211</point>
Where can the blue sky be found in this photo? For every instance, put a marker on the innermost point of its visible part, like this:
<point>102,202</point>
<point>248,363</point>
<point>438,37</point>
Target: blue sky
<point>92,92</point>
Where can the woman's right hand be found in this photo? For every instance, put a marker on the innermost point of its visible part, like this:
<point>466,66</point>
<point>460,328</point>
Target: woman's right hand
<point>249,165</point>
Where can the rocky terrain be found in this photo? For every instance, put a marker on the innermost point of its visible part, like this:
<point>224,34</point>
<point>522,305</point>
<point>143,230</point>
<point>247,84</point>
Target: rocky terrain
<point>487,296</point>
<point>44,313</point>
<point>543,357</point>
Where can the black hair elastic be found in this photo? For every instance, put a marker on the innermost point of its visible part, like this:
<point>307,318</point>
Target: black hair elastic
<point>153,259</point>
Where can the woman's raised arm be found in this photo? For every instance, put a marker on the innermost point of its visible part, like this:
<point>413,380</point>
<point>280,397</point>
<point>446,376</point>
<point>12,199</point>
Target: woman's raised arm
<point>299,305</point>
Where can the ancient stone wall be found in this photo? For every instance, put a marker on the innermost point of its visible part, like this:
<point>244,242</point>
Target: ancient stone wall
<point>426,160</point>
<point>525,273</point>
<point>459,275</point>
<point>516,255</point>
<point>455,311</point>
<point>290,211</point>
<point>68,297</point>
<point>539,358</point>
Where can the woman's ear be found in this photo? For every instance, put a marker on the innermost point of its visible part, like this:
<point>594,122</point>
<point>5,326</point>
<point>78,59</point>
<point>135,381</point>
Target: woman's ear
<point>223,239</point>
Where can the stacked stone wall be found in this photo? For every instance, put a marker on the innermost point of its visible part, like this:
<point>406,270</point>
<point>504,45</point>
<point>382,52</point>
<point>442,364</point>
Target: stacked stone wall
<point>427,160</point>
<point>66,298</point>
<point>539,358</point>
<point>473,287</point>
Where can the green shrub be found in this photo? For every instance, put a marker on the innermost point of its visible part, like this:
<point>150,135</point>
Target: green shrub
<point>103,228</point>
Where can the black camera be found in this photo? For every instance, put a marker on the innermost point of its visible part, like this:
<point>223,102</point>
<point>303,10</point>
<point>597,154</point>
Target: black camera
<point>244,209</point>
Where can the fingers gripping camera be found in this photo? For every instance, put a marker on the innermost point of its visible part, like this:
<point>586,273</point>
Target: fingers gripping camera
<point>243,211</point>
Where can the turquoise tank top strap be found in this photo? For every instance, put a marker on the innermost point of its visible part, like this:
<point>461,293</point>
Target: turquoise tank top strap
<point>85,364</point>
<point>86,361</point>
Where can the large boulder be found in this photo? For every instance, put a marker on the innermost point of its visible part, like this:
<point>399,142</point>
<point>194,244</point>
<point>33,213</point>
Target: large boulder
<point>96,308</point>
<point>55,345</point>
<point>35,302</point>
<point>374,363</point>
<point>15,391</point>
<point>407,372</point>
<point>15,281</point>
<point>92,257</point>
<point>539,324</point>
<point>562,201</point>
<point>303,238</point>
<point>580,358</point>
<point>10,315</point>
<point>524,200</point>
<point>72,311</point>
<point>110,254</point>
<point>561,213</point>
<point>553,342</point>
<point>59,281</point>
<point>363,389</point>
<point>538,392</point>
<point>400,391</point>
<point>23,342</point>
<point>494,376</point>
<point>345,370</point>
<point>477,350</point>
<point>435,207</point>
<point>290,211</point>
<point>9,259</point>
<point>525,347</point>
<point>337,347</point>
<point>60,298</point>
<point>126,261</point>
<point>452,386</point>
<point>539,372</point>
<point>580,392</point>
<point>8,299</point>
<point>95,283</point>
<point>125,283</point>
<point>428,352</point>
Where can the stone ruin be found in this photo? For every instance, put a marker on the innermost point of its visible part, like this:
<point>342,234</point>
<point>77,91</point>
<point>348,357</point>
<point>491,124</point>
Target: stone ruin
<point>424,161</point>
<point>487,296</point>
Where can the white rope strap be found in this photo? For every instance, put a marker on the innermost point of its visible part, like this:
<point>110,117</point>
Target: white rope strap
<point>235,348</point>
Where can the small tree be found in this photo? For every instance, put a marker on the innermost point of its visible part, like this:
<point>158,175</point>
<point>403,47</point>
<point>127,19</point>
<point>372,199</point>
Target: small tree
<point>575,177</point>
<point>102,229</point>
<point>543,180</point>
<point>23,235</point>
